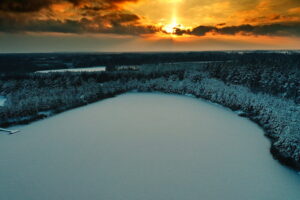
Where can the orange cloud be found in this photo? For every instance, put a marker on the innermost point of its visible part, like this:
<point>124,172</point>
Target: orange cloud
<point>178,18</point>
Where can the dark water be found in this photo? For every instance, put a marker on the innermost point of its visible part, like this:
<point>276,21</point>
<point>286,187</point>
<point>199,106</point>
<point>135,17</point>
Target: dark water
<point>140,147</point>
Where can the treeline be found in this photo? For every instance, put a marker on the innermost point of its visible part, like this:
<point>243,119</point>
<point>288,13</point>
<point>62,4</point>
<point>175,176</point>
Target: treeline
<point>278,80</point>
<point>35,62</point>
<point>12,63</point>
<point>282,80</point>
<point>30,95</point>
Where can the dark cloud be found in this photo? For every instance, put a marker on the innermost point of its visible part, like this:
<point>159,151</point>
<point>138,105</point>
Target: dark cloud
<point>202,30</point>
<point>221,24</point>
<point>93,16</point>
<point>278,29</point>
<point>118,23</point>
<point>101,5</point>
<point>31,5</point>
<point>119,18</point>
<point>24,5</point>
<point>232,30</point>
<point>120,1</point>
<point>12,24</point>
<point>36,5</point>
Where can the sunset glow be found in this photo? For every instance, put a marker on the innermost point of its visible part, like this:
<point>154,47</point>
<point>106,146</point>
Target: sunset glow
<point>188,20</point>
<point>170,28</point>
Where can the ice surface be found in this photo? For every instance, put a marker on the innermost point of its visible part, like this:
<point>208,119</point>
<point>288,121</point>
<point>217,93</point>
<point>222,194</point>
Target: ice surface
<point>143,146</point>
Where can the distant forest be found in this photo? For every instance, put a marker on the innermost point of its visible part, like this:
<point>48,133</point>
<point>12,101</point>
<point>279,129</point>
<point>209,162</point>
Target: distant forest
<point>263,86</point>
<point>13,63</point>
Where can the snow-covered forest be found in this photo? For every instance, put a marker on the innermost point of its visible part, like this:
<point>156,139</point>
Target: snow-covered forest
<point>272,102</point>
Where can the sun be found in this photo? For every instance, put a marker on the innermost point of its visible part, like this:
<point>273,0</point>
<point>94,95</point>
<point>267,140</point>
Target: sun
<point>170,28</point>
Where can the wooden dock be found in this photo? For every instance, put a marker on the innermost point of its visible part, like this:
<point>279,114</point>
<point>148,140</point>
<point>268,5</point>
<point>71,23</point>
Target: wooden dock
<point>9,131</point>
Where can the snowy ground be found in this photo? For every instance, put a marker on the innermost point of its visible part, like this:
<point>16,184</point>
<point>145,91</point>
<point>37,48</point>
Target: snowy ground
<point>89,69</point>
<point>2,100</point>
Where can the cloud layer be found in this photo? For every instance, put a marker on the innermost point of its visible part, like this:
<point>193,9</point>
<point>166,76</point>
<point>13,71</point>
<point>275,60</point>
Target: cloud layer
<point>70,16</point>
<point>276,29</point>
<point>214,17</point>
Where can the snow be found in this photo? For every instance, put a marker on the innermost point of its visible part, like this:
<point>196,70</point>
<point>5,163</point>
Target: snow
<point>240,112</point>
<point>88,69</point>
<point>190,95</point>
<point>46,113</point>
<point>2,100</point>
<point>144,145</point>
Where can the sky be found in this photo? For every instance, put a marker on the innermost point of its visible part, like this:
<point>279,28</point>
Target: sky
<point>148,25</point>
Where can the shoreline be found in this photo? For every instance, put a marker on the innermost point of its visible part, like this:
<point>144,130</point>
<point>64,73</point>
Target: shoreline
<point>281,156</point>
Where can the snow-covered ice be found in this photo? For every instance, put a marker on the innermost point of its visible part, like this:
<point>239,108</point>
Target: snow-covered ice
<point>88,69</point>
<point>143,146</point>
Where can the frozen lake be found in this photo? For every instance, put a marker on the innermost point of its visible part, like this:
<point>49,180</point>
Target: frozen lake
<point>143,147</point>
<point>87,69</point>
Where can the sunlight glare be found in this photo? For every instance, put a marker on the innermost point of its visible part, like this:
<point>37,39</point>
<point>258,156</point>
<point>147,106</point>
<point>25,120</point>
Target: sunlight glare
<point>170,28</point>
